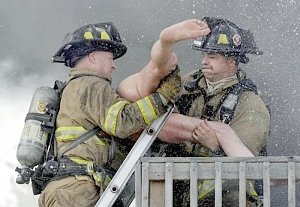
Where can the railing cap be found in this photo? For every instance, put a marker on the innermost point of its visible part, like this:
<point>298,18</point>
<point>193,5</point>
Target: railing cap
<point>274,159</point>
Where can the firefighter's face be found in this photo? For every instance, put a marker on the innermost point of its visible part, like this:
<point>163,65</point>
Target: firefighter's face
<point>104,62</point>
<point>216,67</point>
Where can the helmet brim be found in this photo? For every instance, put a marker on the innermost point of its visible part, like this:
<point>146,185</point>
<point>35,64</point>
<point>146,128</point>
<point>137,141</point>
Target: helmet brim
<point>118,49</point>
<point>255,51</point>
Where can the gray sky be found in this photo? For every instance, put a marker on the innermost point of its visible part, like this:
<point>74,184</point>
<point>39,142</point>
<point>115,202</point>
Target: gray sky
<point>32,31</point>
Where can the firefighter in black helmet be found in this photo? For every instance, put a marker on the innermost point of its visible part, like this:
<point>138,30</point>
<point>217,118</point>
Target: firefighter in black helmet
<point>220,79</point>
<point>228,39</point>
<point>89,101</point>
<point>89,38</point>
<point>219,92</point>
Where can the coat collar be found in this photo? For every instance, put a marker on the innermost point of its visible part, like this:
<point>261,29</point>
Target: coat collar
<point>222,84</point>
<point>80,71</point>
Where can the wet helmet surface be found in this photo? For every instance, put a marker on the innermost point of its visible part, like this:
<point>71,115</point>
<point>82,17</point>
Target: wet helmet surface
<point>228,39</point>
<point>89,38</point>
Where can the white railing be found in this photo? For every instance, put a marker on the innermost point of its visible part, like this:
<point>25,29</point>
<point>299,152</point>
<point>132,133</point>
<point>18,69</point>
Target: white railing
<point>154,177</point>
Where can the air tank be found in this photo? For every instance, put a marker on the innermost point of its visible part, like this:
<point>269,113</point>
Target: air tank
<point>33,140</point>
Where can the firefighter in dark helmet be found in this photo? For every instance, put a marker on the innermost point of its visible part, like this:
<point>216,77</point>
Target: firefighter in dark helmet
<point>222,82</point>
<point>219,91</point>
<point>88,100</point>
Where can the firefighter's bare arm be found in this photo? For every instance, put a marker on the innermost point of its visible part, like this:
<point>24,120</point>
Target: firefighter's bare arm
<point>163,59</point>
<point>180,128</point>
<point>212,135</point>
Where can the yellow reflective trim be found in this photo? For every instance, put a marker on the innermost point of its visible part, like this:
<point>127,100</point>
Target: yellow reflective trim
<point>68,133</point>
<point>205,187</point>
<point>80,160</point>
<point>251,189</point>
<point>105,35</point>
<point>96,175</point>
<point>64,128</point>
<point>66,138</point>
<point>88,35</point>
<point>110,123</point>
<point>98,179</point>
<point>147,109</point>
<point>100,142</point>
<point>223,39</point>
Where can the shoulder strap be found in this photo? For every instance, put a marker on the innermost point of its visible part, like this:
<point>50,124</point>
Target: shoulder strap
<point>229,104</point>
<point>59,86</point>
<point>185,101</point>
<point>85,136</point>
<point>52,110</point>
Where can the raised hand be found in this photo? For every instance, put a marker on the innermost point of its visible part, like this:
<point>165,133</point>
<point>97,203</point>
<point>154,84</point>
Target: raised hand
<point>188,29</point>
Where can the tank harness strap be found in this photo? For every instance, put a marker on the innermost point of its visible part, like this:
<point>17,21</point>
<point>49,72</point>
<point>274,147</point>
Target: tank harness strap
<point>185,101</point>
<point>44,118</point>
<point>67,167</point>
<point>85,136</point>
<point>112,151</point>
<point>229,103</point>
<point>64,167</point>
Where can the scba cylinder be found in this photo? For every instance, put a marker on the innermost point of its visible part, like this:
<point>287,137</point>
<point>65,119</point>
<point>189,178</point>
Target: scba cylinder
<point>33,140</point>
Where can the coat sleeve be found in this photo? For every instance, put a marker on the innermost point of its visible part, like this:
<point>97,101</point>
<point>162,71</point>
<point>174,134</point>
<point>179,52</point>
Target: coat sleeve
<point>117,116</point>
<point>251,122</point>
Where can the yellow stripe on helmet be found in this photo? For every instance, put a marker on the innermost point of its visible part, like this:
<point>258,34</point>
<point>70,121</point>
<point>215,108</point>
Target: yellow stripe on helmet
<point>110,123</point>
<point>105,35</point>
<point>147,109</point>
<point>88,35</point>
<point>223,39</point>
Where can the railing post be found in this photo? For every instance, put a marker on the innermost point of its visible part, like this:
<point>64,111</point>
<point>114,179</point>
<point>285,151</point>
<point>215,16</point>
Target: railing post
<point>266,182</point>
<point>218,184</point>
<point>242,184</point>
<point>138,184</point>
<point>169,185</point>
<point>291,184</point>
<point>193,184</point>
<point>145,186</point>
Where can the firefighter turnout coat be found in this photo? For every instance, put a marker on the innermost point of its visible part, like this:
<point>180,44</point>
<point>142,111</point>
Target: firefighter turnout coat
<point>250,122</point>
<point>88,101</point>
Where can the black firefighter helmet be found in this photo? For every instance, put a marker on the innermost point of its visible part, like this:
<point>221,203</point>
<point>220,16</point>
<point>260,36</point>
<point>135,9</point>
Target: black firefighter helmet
<point>228,39</point>
<point>89,38</point>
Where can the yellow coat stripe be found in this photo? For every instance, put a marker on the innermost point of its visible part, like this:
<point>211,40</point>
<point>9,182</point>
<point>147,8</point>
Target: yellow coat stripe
<point>69,133</point>
<point>110,123</point>
<point>147,109</point>
<point>207,186</point>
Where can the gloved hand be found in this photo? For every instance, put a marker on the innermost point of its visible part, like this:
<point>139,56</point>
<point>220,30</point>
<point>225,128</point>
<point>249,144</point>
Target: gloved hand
<point>170,85</point>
